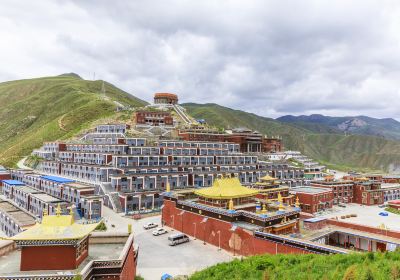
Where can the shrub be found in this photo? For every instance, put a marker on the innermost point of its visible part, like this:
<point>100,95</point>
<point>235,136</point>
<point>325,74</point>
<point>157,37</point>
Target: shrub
<point>351,273</point>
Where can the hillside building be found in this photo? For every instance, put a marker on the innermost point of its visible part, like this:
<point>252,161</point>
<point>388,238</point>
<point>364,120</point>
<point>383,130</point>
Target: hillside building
<point>13,220</point>
<point>4,175</point>
<point>154,118</point>
<point>249,141</point>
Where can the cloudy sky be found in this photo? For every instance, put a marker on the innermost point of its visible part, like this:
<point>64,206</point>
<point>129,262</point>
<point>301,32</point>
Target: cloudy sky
<point>268,57</point>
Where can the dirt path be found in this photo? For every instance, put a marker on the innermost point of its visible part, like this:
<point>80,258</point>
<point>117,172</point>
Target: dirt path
<point>60,123</point>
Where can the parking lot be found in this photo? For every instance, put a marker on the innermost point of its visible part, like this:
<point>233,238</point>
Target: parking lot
<point>156,257</point>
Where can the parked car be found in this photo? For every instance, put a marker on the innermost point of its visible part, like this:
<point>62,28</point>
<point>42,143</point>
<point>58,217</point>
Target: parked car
<point>159,231</point>
<point>150,226</point>
<point>177,239</point>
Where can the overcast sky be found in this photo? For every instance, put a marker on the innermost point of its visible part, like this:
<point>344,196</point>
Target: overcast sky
<point>268,57</point>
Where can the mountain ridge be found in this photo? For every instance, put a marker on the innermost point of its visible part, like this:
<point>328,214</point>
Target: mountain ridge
<point>388,128</point>
<point>329,146</point>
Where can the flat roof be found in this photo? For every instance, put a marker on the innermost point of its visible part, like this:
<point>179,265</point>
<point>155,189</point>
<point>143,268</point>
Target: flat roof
<point>7,206</point>
<point>76,185</point>
<point>310,190</point>
<point>46,198</point>
<point>19,216</point>
<point>27,189</point>
<point>57,179</point>
<point>13,182</point>
<point>315,220</point>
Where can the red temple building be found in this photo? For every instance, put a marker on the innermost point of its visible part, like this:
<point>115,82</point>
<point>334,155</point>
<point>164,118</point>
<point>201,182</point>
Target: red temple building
<point>249,141</point>
<point>230,216</point>
<point>269,189</point>
<point>58,243</point>
<point>154,118</point>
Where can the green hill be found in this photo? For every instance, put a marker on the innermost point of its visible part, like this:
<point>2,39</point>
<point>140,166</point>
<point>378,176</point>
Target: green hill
<point>51,108</point>
<point>320,142</point>
<point>378,266</point>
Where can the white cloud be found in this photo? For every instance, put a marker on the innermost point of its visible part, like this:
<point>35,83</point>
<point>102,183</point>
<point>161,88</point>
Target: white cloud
<point>267,57</point>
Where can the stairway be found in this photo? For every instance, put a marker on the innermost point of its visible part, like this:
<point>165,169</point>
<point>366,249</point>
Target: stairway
<point>178,109</point>
<point>115,202</point>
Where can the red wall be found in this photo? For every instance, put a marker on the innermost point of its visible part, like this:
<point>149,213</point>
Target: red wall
<point>390,233</point>
<point>240,242</point>
<point>4,177</point>
<point>129,267</point>
<point>48,258</point>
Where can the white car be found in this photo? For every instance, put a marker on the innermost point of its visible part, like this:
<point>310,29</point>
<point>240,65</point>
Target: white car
<point>150,225</point>
<point>159,231</point>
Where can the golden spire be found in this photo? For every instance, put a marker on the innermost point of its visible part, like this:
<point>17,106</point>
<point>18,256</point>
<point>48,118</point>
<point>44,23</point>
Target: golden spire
<point>71,211</point>
<point>168,189</point>
<point>58,210</point>
<point>44,212</point>
<point>231,204</point>
<point>280,200</point>
<point>297,204</point>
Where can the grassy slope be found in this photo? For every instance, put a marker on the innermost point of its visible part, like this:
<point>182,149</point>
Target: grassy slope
<point>307,267</point>
<point>31,111</point>
<point>337,150</point>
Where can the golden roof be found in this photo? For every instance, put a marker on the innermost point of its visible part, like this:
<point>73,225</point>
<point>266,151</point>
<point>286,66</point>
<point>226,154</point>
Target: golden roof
<point>361,179</point>
<point>226,188</point>
<point>268,178</point>
<point>56,227</point>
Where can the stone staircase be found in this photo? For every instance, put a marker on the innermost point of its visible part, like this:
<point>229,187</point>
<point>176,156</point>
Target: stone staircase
<point>115,202</point>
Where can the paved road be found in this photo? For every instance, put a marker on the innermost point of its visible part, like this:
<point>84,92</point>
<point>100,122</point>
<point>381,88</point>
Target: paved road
<point>156,257</point>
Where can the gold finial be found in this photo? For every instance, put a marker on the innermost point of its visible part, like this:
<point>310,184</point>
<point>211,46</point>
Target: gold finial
<point>71,211</point>
<point>264,208</point>
<point>129,228</point>
<point>44,212</point>
<point>58,209</point>
<point>297,204</point>
<point>168,189</point>
<point>280,197</point>
<point>280,200</point>
<point>231,204</point>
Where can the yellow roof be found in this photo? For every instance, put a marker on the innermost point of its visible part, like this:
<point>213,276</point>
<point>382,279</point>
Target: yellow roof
<point>361,179</point>
<point>57,227</point>
<point>268,178</point>
<point>226,188</point>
